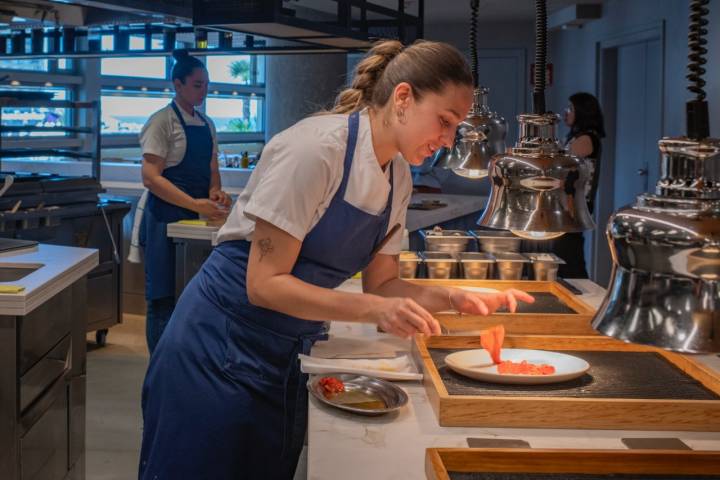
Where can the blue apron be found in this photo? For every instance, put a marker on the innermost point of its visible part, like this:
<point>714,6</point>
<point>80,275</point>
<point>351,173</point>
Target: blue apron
<point>192,176</point>
<point>224,398</point>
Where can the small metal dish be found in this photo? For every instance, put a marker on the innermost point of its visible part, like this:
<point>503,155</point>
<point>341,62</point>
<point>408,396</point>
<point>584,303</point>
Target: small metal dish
<point>451,241</point>
<point>510,265</point>
<point>476,265</point>
<point>545,265</point>
<point>408,264</point>
<point>393,396</point>
<point>496,241</point>
<point>440,265</point>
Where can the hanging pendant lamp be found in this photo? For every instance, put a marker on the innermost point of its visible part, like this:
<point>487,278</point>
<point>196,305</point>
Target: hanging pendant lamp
<point>665,286</point>
<point>538,188</point>
<point>482,134</point>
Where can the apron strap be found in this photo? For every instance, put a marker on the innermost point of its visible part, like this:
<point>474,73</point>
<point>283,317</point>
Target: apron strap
<point>182,120</point>
<point>353,126</point>
<point>179,115</point>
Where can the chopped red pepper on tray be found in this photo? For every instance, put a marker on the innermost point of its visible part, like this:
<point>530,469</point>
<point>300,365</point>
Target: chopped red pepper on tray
<point>331,386</point>
<point>492,341</point>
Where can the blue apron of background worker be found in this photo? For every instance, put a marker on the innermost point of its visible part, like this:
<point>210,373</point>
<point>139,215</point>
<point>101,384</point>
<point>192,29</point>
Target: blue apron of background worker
<point>226,374</point>
<point>192,176</point>
<point>181,172</point>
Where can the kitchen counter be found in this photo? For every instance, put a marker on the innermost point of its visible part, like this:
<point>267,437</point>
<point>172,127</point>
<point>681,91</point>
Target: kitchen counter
<point>59,267</point>
<point>393,446</point>
<point>457,206</point>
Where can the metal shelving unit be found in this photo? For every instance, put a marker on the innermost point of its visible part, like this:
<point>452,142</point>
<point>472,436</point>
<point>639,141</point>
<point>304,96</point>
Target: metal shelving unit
<point>7,101</point>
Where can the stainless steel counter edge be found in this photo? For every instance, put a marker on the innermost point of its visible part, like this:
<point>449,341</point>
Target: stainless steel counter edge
<point>62,266</point>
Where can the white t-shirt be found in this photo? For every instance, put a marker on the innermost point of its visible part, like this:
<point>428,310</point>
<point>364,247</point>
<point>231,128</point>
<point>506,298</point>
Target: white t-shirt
<point>163,134</point>
<point>300,171</point>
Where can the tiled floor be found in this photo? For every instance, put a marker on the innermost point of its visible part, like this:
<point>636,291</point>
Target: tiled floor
<point>114,420</point>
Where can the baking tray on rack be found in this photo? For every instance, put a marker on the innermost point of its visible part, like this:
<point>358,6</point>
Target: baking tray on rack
<point>552,464</point>
<point>628,387</point>
<point>556,310</point>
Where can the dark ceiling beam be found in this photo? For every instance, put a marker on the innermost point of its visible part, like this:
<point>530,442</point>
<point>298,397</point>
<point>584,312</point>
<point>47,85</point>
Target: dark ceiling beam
<point>181,9</point>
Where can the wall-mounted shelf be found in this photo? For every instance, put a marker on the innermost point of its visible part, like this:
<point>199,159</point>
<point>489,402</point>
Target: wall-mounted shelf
<point>94,155</point>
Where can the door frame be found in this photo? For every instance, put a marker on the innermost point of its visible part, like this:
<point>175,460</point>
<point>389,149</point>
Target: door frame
<point>606,92</point>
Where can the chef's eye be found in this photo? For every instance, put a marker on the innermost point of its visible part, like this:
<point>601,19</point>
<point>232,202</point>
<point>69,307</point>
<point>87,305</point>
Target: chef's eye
<point>444,123</point>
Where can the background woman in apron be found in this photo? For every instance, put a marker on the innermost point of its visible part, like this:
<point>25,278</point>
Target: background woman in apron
<point>224,397</point>
<point>584,117</point>
<point>180,170</point>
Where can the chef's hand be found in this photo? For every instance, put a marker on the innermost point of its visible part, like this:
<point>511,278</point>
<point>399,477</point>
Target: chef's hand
<point>210,209</point>
<point>218,196</point>
<point>404,317</point>
<point>486,303</point>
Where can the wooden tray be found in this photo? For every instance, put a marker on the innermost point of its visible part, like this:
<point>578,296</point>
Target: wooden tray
<point>520,323</point>
<point>441,462</point>
<point>576,410</point>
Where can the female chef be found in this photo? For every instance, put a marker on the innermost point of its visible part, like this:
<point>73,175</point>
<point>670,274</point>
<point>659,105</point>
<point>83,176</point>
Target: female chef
<point>224,397</point>
<point>180,169</point>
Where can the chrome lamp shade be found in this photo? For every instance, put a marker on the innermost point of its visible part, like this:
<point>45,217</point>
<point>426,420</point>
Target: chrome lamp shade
<point>538,189</point>
<point>665,286</point>
<point>480,136</point>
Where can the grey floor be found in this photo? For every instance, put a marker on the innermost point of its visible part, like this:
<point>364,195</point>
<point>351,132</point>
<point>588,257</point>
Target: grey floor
<point>114,420</point>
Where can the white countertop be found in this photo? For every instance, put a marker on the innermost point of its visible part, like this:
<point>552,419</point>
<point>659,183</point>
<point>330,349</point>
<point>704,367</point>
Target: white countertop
<point>59,268</point>
<point>457,206</point>
<point>343,445</point>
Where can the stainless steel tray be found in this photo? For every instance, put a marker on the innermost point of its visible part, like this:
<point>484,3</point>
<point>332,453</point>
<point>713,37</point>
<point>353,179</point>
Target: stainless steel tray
<point>393,396</point>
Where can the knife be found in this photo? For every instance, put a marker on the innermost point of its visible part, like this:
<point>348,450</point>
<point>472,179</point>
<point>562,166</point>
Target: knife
<point>573,289</point>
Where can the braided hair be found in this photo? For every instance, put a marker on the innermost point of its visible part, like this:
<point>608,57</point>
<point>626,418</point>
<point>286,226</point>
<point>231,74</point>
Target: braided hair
<point>426,66</point>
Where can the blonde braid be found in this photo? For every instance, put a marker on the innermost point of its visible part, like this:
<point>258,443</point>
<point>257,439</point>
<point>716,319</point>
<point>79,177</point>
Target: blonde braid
<point>367,75</point>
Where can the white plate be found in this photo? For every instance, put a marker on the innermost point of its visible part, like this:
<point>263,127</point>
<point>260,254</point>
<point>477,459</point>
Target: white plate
<point>478,365</point>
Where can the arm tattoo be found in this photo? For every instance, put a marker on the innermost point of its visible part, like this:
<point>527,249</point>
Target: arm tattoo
<point>266,247</point>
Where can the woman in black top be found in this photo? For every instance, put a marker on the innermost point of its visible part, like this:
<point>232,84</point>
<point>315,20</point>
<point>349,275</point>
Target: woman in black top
<point>585,119</point>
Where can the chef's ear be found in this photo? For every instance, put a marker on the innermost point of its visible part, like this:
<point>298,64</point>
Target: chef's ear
<point>403,95</point>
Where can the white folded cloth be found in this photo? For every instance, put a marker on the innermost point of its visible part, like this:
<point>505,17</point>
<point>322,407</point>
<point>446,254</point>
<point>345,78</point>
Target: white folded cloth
<point>135,252</point>
<point>398,368</point>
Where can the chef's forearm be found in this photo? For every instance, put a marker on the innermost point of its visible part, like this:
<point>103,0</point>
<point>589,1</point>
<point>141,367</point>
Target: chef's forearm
<point>215,181</point>
<point>432,299</point>
<point>290,295</point>
<point>166,190</point>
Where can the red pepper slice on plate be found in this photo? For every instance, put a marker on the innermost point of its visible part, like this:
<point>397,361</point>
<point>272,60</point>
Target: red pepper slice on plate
<point>492,340</point>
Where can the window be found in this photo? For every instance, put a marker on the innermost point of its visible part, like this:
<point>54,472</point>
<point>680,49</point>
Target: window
<point>37,116</point>
<point>236,69</point>
<point>34,65</point>
<point>134,88</point>
<point>236,114</point>
<point>139,67</point>
<point>127,113</point>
